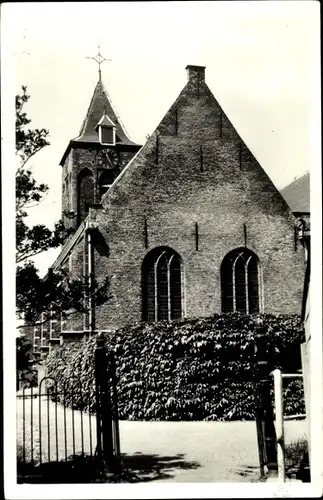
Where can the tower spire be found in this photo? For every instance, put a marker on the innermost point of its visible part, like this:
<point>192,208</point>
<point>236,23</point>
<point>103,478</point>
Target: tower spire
<point>99,59</point>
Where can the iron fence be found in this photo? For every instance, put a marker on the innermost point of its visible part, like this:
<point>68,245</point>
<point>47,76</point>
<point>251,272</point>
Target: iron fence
<point>51,430</point>
<point>55,425</point>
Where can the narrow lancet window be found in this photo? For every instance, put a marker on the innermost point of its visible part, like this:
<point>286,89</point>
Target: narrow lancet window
<point>162,285</point>
<point>240,282</point>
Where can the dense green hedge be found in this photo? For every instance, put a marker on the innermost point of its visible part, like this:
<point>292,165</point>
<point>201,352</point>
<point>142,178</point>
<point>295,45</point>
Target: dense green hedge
<point>185,370</point>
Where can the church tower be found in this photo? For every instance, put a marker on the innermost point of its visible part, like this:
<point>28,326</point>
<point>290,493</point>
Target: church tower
<point>94,159</point>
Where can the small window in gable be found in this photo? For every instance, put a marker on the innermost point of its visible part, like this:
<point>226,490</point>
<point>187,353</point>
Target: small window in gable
<point>106,130</point>
<point>107,135</point>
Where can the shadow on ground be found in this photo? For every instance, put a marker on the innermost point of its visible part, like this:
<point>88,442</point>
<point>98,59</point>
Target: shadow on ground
<point>85,469</point>
<point>144,468</point>
<point>250,472</point>
<point>77,469</point>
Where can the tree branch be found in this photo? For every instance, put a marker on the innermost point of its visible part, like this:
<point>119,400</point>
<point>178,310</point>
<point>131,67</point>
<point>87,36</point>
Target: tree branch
<point>24,162</point>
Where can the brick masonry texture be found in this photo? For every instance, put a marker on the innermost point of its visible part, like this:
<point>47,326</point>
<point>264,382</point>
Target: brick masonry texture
<point>85,159</point>
<point>193,169</point>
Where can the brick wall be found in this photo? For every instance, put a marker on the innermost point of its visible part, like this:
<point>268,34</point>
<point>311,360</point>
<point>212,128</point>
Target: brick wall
<point>85,159</point>
<point>196,169</point>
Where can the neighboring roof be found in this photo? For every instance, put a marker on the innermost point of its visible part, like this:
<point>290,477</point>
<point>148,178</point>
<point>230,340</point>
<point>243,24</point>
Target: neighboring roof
<point>297,194</point>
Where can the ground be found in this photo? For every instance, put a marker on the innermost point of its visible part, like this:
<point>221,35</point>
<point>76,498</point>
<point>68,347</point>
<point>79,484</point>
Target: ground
<point>154,451</point>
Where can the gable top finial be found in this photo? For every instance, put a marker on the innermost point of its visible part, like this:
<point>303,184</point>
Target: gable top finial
<point>99,59</point>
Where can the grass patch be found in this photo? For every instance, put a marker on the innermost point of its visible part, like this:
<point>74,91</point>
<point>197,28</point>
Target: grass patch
<point>297,460</point>
<point>296,451</point>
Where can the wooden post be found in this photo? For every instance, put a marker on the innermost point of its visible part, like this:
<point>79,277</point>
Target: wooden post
<point>115,415</point>
<point>279,418</point>
<point>305,353</point>
<point>264,412</point>
<point>260,437</point>
<point>104,413</point>
<point>97,357</point>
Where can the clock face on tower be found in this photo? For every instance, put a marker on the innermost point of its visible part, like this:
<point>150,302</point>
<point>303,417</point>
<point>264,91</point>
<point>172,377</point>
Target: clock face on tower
<point>108,158</point>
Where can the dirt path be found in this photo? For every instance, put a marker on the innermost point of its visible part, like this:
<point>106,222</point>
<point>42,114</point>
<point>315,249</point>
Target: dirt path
<point>154,451</point>
<point>196,451</point>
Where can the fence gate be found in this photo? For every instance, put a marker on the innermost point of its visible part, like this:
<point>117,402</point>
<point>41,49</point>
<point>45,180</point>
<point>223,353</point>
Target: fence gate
<point>56,434</point>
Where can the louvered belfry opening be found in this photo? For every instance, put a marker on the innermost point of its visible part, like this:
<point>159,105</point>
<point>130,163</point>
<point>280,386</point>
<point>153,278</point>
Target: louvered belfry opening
<point>162,285</point>
<point>85,193</point>
<point>105,181</point>
<point>240,282</point>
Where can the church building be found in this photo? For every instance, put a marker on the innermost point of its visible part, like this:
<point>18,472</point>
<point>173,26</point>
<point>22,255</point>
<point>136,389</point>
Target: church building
<point>187,225</point>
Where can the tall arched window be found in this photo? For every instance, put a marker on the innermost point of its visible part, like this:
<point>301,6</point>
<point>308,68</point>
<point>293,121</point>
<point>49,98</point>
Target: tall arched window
<point>105,181</point>
<point>85,193</point>
<point>240,282</point>
<point>162,285</point>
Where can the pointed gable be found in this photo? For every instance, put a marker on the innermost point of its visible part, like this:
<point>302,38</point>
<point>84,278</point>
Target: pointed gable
<point>194,188</point>
<point>195,136</point>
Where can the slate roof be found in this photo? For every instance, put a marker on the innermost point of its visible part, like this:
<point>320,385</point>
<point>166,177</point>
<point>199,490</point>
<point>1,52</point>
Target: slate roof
<point>297,194</point>
<point>100,105</point>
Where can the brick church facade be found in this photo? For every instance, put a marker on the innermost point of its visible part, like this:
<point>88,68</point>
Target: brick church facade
<point>187,225</point>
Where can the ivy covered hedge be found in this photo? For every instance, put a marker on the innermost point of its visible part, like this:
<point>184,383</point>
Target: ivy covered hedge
<point>197,369</point>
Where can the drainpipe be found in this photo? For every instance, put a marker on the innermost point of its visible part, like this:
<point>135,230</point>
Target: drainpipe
<point>90,279</point>
<point>90,273</point>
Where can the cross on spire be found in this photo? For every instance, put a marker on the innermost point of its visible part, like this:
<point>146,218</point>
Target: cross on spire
<point>99,59</point>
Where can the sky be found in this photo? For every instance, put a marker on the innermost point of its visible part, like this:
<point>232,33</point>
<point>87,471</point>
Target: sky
<point>261,58</point>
